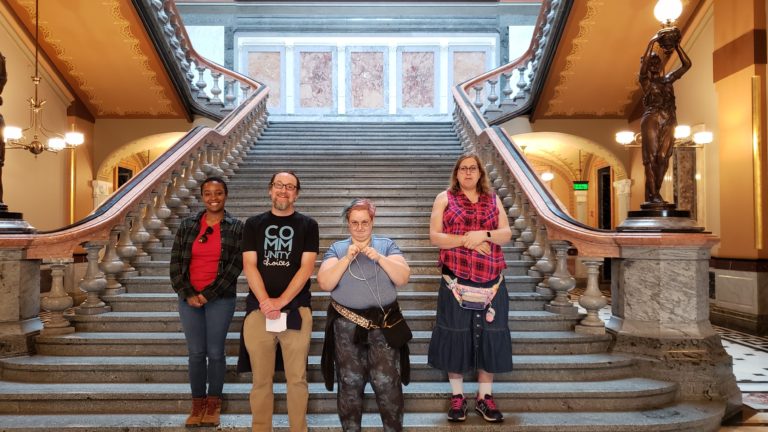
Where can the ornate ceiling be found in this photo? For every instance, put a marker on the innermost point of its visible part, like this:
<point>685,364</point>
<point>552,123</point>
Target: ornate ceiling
<point>594,73</point>
<point>104,54</point>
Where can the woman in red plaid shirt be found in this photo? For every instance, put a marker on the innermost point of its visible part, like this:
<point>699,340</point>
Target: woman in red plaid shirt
<point>469,225</point>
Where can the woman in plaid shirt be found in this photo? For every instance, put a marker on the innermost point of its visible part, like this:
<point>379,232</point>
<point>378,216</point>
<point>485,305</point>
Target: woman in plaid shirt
<point>469,225</point>
<point>205,262</point>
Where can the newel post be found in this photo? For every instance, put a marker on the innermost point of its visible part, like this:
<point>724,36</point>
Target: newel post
<point>20,304</point>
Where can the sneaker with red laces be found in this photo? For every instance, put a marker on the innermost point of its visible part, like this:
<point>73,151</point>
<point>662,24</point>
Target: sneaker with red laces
<point>458,411</point>
<point>486,407</point>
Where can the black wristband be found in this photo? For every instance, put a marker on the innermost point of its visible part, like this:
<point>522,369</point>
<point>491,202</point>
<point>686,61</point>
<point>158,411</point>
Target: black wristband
<point>488,233</point>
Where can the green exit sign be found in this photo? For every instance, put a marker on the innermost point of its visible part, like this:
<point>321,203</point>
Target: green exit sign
<point>581,185</point>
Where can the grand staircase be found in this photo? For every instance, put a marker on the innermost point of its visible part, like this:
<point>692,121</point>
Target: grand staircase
<point>125,370</point>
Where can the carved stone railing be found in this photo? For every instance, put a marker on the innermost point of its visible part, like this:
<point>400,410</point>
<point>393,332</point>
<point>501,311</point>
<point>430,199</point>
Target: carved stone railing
<point>208,89</point>
<point>510,90</point>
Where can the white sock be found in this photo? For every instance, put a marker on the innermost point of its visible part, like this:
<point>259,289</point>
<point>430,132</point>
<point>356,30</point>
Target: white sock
<point>457,386</point>
<point>483,389</point>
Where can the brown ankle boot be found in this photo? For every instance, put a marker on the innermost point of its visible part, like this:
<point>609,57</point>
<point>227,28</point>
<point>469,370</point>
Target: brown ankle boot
<point>198,411</point>
<point>212,415</point>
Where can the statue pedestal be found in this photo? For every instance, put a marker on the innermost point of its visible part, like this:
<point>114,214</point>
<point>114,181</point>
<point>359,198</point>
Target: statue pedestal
<point>659,220</point>
<point>660,314</point>
<point>13,223</point>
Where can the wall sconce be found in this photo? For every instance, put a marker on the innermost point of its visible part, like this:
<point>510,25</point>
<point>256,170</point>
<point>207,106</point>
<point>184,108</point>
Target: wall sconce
<point>685,136</point>
<point>547,176</point>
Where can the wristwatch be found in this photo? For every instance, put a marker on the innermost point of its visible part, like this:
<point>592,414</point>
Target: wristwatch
<point>488,233</point>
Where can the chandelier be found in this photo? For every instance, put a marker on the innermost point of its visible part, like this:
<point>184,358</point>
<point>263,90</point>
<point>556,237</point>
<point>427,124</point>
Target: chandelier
<point>36,137</point>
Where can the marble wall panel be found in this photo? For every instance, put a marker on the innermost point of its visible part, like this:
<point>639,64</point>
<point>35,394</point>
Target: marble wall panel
<point>316,80</point>
<point>467,64</point>
<point>418,79</point>
<point>264,66</point>
<point>367,80</point>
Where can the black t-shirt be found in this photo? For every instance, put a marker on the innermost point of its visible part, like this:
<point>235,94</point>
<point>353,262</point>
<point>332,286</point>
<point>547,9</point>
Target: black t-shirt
<point>279,242</point>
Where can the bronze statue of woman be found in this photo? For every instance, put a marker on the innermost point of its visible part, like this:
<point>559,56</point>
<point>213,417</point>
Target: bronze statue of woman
<point>659,119</point>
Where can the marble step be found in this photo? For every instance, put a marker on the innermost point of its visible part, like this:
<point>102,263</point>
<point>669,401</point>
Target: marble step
<point>173,343</point>
<point>162,284</point>
<point>52,369</point>
<point>347,194</point>
<point>310,185</point>
<point>679,417</point>
<point>418,320</point>
<point>96,398</point>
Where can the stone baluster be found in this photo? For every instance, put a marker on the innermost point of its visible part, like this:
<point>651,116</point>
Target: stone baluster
<point>592,300</point>
<point>152,224</point>
<point>536,249</point>
<point>181,190</point>
<point>139,234</point>
<point>521,223</point>
<point>506,99</point>
<point>216,161</point>
<point>57,301</point>
<point>561,281</point>
<point>190,182</point>
<point>545,264</point>
<point>229,94</point>
<point>173,201</point>
<point>162,212</point>
<point>492,98</point>
<point>245,88</point>
<point>201,84</point>
<point>521,83</point>
<point>93,283</point>
<point>215,89</point>
<point>126,250</point>
<point>229,164</point>
<point>201,165</point>
<point>111,264</point>
<point>478,96</point>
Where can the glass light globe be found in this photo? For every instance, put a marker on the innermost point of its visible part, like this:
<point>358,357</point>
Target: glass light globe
<point>667,11</point>
<point>74,138</point>
<point>703,137</point>
<point>625,137</point>
<point>682,131</point>
<point>547,176</point>
<point>56,144</point>
<point>12,133</point>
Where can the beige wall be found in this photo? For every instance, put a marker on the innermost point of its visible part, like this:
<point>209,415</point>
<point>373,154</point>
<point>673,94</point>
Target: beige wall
<point>35,186</point>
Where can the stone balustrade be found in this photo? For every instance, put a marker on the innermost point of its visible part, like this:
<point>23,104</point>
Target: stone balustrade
<point>504,92</point>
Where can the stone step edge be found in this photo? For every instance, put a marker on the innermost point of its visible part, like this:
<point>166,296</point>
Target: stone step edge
<point>681,417</point>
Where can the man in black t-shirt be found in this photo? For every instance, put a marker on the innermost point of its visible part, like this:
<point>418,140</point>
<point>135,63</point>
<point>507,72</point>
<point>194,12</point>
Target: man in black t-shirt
<point>279,252</point>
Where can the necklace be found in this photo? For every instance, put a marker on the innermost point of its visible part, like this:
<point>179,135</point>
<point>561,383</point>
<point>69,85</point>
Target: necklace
<point>376,295</point>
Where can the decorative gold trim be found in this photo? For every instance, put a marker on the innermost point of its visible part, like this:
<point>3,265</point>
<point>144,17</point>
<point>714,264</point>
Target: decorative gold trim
<point>757,159</point>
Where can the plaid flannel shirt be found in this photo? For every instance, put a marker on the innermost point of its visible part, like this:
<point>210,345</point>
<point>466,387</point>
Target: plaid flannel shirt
<point>230,262</point>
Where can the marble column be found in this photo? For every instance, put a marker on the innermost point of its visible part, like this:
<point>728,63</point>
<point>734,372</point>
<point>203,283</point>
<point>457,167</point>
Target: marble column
<point>622,190</point>
<point>20,293</point>
<point>660,308</point>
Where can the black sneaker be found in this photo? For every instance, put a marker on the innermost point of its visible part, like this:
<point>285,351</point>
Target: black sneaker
<point>487,408</point>
<point>458,411</point>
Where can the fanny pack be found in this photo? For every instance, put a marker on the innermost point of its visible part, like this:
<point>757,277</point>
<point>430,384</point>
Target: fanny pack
<point>474,298</point>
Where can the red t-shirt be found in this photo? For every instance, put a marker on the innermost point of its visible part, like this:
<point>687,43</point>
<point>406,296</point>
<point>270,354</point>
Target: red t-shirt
<point>204,265</point>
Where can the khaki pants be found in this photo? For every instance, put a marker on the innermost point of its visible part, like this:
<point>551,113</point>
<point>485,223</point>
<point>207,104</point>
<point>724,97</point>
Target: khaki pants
<point>261,346</point>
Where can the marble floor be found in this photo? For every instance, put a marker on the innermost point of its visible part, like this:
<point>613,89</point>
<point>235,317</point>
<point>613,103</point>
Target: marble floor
<point>750,365</point>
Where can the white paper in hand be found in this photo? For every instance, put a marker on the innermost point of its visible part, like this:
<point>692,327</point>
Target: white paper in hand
<point>278,325</point>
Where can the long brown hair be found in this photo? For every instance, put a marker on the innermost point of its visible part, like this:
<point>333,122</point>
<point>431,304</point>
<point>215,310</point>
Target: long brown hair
<point>483,186</point>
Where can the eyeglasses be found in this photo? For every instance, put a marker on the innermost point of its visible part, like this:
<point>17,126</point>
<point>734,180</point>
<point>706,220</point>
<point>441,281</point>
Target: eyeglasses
<point>204,238</point>
<point>280,186</point>
<point>469,169</point>
<point>358,225</point>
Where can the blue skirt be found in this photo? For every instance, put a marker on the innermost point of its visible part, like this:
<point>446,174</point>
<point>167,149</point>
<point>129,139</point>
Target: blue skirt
<point>463,341</point>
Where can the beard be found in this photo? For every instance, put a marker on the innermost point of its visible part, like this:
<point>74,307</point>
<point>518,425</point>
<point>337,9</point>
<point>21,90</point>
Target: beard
<point>281,204</point>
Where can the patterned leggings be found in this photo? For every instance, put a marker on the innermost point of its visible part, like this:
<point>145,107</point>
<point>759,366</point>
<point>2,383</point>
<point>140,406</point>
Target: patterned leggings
<point>376,362</point>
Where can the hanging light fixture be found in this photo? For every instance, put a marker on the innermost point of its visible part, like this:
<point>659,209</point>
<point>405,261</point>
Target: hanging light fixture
<point>32,137</point>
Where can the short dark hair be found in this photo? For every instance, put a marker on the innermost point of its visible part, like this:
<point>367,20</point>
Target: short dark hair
<point>214,179</point>
<point>298,182</point>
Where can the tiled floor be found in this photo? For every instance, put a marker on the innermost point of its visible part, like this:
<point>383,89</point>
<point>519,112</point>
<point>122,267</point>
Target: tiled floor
<point>750,365</point>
